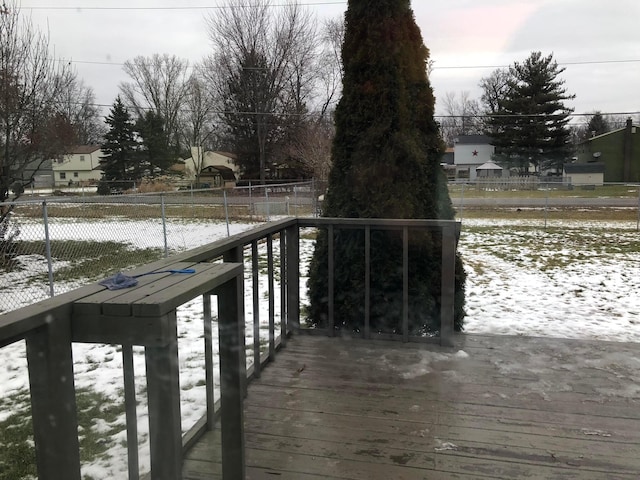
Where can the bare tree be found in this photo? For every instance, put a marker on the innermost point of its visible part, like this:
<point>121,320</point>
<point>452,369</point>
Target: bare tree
<point>33,129</point>
<point>262,66</point>
<point>494,88</point>
<point>159,83</point>
<point>330,65</point>
<point>199,125</point>
<point>462,117</point>
<point>313,147</point>
<point>78,104</point>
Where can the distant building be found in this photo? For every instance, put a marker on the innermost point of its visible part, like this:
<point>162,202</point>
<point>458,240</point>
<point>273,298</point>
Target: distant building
<point>80,165</point>
<point>489,170</point>
<point>41,172</point>
<point>470,152</point>
<point>584,173</point>
<point>618,151</point>
<point>217,169</point>
<point>447,163</point>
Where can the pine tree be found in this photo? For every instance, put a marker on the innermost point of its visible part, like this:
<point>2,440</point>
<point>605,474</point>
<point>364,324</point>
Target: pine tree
<point>155,153</point>
<point>386,155</point>
<point>597,126</point>
<point>119,164</point>
<point>530,126</point>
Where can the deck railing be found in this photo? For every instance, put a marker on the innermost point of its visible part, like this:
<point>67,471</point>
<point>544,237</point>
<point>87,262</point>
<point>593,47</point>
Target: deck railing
<point>51,327</point>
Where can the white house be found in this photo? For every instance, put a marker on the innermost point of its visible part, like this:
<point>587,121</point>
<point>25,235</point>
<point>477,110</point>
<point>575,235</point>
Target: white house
<point>469,153</point>
<point>81,165</point>
<point>201,161</point>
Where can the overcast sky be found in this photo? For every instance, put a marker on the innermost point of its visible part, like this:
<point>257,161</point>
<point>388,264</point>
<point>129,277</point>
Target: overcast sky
<point>597,41</point>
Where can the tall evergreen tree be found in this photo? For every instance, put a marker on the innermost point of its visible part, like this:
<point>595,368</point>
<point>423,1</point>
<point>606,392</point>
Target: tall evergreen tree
<point>530,126</point>
<point>156,155</point>
<point>119,164</point>
<point>386,155</point>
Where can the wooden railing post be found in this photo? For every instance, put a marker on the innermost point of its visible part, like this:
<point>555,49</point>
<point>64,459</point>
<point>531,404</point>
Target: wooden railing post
<point>131,411</point>
<point>231,331</point>
<point>405,284</point>
<point>283,289</point>
<point>293,278</point>
<point>271,307</point>
<point>163,393</point>
<point>330,282</point>
<point>255,282</point>
<point>367,282</point>
<point>235,255</point>
<point>53,400</point>
<point>208,360</point>
<point>448,284</point>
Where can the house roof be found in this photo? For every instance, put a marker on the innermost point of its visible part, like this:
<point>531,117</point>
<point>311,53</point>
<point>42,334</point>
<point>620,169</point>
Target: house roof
<point>82,149</point>
<point>612,132</point>
<point>489,166</point>
<point>233,156</point>
<point>592,167</point>
<point>225,172</point>
<point>473,140</point>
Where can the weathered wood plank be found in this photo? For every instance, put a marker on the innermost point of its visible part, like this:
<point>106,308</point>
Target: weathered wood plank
<point>344,408</point>
<point>420,435</point>
<point>119,300</point>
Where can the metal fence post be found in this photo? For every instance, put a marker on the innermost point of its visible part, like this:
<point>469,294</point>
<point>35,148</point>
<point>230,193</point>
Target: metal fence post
<point>226,211</point>
<point>266,196</point>
<point>250,202</point>
<point>546,208</point>
<point>47,245</point>
<point>164,227</point>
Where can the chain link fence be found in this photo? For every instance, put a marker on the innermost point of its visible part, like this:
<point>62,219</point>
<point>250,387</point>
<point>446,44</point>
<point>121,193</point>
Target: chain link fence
<point>49,245</point>
<point>54,244</point>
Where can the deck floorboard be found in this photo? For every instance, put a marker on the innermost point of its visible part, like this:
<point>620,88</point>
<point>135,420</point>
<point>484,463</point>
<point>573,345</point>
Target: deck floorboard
<point>493,407</point>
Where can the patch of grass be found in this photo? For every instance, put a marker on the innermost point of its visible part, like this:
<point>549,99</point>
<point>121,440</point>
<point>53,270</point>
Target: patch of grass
<point>551,214</point>
<point>17,451</point>
<point>90,258</point>
<point>531,247</point>
<point>471,191</point>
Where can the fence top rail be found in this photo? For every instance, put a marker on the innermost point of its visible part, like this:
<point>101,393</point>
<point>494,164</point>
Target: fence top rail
<point>391,223</point>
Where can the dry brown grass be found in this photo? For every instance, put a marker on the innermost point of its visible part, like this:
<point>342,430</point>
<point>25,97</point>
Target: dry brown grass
<point>565,213</point>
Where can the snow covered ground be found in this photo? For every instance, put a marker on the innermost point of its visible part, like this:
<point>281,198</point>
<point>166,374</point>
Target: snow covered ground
<point>573,280</point>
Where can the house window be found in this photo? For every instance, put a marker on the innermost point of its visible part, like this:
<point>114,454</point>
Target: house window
<point>63,175</point>
<point>82,158</point>
<point>75,174</point>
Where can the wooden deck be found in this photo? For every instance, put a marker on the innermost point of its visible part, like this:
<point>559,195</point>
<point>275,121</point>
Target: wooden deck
<point>491,407</point>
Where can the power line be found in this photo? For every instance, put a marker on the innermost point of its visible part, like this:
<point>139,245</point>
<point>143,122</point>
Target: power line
<point>314,113</point>
<point>447,67</point>
<point>197,7</point>
<point>586,62</point>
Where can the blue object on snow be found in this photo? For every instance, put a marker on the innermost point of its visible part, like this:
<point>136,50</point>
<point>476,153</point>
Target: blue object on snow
<point>118,281</point>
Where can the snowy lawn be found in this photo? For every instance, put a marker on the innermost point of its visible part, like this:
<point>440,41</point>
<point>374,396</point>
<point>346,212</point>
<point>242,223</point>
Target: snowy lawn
<point>573,280</point>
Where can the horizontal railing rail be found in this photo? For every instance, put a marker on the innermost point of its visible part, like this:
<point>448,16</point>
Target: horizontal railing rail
<point>93,314</point>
